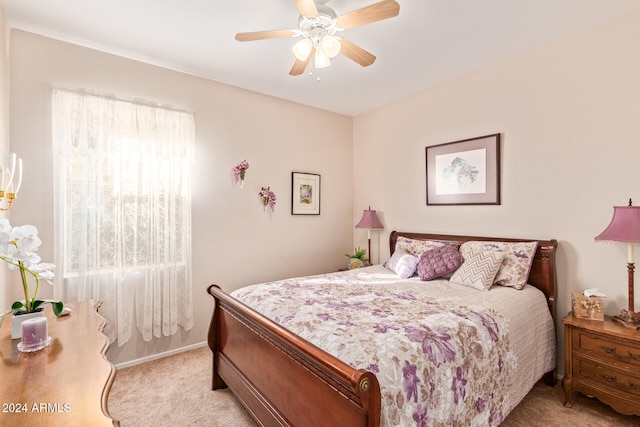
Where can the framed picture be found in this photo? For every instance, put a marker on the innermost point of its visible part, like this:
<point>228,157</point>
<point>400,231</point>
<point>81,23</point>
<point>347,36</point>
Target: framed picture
<point>305,193</point>
<point>464,172</point>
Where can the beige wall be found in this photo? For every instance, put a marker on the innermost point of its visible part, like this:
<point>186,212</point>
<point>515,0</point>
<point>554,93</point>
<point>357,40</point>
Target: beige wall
<point>568,115</point>
<point>4,127</point>
<point>4,81</point>
<point>234,242</point>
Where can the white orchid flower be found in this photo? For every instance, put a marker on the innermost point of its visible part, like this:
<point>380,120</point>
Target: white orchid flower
<point>18,246</point>
<point>5,228</point>
<point>43,270</point>
<point>26,238</point>
<point>27,258</point>
<point>5,235</point>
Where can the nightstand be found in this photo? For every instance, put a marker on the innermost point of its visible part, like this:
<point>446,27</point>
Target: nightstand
<point>602,360</point>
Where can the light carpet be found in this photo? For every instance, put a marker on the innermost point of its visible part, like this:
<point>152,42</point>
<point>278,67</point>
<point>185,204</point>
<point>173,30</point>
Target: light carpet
<point>176,391</point>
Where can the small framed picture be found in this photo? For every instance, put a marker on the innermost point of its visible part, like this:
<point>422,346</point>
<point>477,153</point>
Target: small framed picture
<point>305,193</point>
<point>464,172</point>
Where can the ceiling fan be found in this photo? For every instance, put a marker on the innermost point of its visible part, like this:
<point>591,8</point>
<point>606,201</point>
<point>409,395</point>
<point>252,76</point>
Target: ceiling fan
<point>319,27</point>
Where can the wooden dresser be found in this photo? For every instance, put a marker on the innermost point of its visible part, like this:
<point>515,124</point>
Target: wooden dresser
<point>602,360</point>
<point>66,383</point>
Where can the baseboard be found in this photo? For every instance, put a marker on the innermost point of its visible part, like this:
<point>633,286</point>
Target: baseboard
<point>160,355</point>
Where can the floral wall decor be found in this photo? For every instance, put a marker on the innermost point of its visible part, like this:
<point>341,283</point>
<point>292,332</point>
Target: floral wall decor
<point>268,198</point>
<point>239,171</point>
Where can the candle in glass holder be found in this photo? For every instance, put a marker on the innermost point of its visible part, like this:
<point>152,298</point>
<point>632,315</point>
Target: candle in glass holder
<point>35,334</point>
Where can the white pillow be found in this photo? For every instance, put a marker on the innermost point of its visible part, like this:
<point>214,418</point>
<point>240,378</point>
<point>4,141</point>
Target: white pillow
<point>478,269</point>
<point>403,264</point>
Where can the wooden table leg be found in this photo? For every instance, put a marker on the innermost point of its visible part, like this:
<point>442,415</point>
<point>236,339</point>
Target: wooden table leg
<point>568,393</point>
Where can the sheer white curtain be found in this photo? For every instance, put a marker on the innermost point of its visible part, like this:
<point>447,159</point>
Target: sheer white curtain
<point>123,211</point>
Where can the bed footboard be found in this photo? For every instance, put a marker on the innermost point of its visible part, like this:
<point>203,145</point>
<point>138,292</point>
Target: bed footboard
<point>282,379</point>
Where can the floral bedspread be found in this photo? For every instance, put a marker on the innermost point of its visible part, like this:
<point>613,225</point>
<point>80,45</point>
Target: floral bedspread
<point>442,355</point>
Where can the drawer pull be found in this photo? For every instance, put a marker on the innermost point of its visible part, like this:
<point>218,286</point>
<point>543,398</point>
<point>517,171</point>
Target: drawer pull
<point>612,350</point>
<point>613,379</point>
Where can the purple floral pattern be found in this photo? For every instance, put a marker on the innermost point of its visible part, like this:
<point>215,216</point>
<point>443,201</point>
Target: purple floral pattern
<point>417,247</point>
<point>439,361</point>
<point>436,343</point>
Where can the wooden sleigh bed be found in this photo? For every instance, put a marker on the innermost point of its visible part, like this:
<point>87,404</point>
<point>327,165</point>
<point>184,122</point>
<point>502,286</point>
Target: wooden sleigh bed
<point>284,380</point>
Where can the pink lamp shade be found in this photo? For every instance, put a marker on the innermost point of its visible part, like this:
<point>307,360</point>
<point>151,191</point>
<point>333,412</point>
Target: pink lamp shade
<point>369,220</point>
<point>624,227</point>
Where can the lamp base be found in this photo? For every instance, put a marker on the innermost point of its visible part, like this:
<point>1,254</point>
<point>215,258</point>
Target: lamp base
<point>628,319</point>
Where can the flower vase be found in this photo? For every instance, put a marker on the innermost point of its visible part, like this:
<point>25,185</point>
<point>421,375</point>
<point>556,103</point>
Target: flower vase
<point>355,263</point>
<point>17,319</point>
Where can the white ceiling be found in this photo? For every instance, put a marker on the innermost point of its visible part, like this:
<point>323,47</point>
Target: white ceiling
<point>429,42</point>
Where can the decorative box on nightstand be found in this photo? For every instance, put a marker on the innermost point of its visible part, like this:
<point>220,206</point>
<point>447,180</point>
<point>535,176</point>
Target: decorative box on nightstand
<point>602,360</point>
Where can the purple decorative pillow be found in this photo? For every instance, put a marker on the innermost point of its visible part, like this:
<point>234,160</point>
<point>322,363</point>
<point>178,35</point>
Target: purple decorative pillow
<point>439,262</point>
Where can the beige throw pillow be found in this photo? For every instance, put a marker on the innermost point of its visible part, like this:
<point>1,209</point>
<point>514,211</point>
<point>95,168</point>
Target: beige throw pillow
<point>478,270</point>
<point>516,264</point>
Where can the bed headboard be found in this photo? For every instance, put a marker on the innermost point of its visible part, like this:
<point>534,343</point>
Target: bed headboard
<point>543,269</point>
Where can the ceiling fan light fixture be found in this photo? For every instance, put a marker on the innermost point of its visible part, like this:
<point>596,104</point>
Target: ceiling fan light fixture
<point>321,59</point>
<point>318,26</point>
<point>330,46</point>
<point>302,49</point>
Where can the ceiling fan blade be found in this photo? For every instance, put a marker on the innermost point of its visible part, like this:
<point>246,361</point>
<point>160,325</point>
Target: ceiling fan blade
<point>261,35</point>
<point>307,8</point>
<point>299,66</point>
<point>375,12</point>
<point>356,53</point>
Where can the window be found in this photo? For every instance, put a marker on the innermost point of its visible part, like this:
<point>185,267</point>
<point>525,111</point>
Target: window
<point>123,211</point>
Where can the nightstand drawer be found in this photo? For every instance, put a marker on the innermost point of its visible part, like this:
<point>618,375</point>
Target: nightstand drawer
<point>601,373</point>
<point>607,348</point>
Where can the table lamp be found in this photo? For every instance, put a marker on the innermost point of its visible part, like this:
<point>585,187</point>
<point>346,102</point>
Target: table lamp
<point>369,220</point>
<point>625,228</point>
